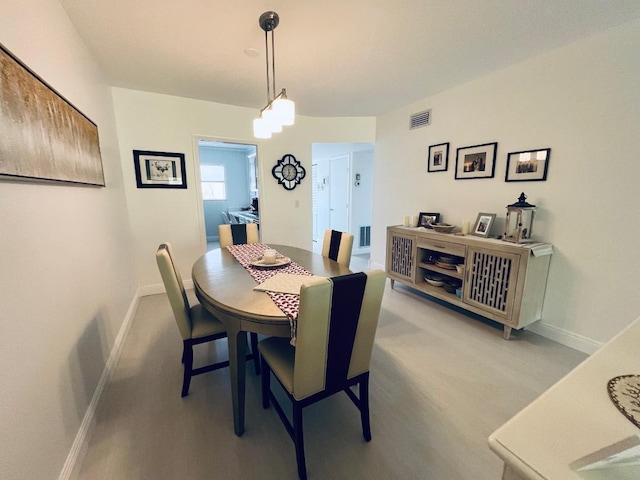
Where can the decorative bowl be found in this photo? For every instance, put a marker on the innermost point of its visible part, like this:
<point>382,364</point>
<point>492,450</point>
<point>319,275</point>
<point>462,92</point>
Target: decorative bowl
<point>460,267</point>
<point>443,227</point>
<point>434,279</point>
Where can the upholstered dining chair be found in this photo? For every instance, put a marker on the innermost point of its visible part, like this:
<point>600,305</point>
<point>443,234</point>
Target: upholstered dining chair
<point>337,246</point>
<point>238,233</point>
<point>196,325</point>
<point>337,322</point>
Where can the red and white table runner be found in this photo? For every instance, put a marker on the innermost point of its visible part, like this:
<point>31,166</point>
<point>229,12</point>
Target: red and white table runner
<point>288,303</point>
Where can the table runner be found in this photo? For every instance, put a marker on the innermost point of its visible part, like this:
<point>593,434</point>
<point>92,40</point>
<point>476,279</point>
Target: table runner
<point>288,303</point>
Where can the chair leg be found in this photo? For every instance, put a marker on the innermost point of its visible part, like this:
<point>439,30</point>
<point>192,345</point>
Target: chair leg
<point>187,359</point>
<point>364,408</point>
<point>256,353</point>
<point>298,440</point>
<point>266,376</point>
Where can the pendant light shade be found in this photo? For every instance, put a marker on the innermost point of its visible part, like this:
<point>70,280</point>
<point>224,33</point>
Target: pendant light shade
<point>260,128</point>
<point>285,110</point>
<point>280,111</point>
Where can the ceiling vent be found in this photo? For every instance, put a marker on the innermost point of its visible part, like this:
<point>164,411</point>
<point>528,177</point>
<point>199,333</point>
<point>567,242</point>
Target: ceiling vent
<point>421,119</point>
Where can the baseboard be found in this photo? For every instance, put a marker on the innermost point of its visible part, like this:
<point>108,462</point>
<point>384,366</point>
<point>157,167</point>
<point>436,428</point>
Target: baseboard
<point>79,447</point>
<point>568,339</point>
<point>376,266</point>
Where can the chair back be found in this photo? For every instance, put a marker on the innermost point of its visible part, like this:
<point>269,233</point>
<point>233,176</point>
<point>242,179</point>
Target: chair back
<point>337,322</point>
<point>337,246</point>
<point>236,234</point>
<point>175,289</point>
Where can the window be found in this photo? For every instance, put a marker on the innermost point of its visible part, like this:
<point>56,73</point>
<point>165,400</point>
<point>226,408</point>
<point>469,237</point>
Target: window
<point>213,185</point>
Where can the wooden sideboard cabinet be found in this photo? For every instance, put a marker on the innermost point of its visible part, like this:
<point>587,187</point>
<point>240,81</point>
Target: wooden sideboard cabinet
<point>502,281</point>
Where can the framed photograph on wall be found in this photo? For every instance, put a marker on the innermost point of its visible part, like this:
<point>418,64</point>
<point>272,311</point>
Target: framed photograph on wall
<point>159,169</point>
<point>438,158</point>
<point>426,220</point>
<point>483,224</point>
<point>528,166</point>
<point>477,161</point>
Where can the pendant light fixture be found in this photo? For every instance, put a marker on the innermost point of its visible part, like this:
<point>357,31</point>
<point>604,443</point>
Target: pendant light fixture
<point>280,111</point>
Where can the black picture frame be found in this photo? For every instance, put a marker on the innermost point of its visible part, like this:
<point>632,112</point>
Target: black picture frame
<point>528,165</point>
<point>476,161</point>
<point>427,219</point>
<point>483,224</point>
<point>159,169</point>
<point>438,157</point>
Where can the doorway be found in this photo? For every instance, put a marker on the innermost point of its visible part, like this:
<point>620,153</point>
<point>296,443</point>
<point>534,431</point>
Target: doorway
<point>342,192</point>
<point>229,183</point>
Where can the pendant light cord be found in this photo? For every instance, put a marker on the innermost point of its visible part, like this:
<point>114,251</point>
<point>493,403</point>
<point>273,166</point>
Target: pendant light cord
<point>266,47</point>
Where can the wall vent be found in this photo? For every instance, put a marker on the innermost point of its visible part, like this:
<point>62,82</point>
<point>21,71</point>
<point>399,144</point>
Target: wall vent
<point>365,236</point>
<point>421,119</point>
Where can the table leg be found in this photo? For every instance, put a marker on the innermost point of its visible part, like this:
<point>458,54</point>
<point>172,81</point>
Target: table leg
<point>237,341</point>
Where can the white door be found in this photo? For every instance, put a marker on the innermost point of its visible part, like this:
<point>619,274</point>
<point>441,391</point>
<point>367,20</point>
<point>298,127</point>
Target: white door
<point>339,193</point>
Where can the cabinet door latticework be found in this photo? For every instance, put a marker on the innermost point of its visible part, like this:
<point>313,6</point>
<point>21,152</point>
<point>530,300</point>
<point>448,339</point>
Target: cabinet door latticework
<point>489,280</point>
<point>402,256</point>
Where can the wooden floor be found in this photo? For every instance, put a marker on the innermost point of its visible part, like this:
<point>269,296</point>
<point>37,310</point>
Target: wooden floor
<point>441,383</point>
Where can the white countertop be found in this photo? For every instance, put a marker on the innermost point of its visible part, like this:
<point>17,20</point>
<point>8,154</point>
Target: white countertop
<point>574,418</point>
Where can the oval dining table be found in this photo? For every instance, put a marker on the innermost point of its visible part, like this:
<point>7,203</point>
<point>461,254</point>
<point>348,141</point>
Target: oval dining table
<point>225,288</point>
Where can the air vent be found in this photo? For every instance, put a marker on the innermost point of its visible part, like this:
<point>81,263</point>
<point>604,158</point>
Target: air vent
<point>421,119</point>
<point>365,236</point>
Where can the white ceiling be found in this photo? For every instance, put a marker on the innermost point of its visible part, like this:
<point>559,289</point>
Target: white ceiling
<point>334,57</point>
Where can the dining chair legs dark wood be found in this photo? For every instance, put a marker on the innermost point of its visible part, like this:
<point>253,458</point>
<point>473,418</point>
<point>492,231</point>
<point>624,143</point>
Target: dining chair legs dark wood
<point>255,352</point>
<point>187,359</point>
<point>296,429</point>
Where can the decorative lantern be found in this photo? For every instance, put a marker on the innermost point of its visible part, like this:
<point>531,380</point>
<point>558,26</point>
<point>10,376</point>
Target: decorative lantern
<point>519,223</point>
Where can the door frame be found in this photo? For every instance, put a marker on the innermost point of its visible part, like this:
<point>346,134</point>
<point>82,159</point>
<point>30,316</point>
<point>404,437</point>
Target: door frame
<point>195,145</point>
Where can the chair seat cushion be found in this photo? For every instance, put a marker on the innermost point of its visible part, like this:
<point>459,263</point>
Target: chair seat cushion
<point>280,356</point>
<point>203,323</point>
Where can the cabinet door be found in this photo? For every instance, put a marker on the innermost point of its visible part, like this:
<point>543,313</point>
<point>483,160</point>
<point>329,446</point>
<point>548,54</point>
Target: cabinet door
<point>400,256</point>
<point>491,281</point>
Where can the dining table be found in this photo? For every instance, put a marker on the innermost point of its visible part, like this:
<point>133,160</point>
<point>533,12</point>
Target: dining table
<point>225,288</point>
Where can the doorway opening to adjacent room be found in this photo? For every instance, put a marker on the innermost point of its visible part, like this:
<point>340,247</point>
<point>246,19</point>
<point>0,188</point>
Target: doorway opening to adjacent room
<point>229,185</point>
<point>342,176</point>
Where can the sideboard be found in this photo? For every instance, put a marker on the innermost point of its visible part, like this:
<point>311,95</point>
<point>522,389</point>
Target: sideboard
<point>502,281</point>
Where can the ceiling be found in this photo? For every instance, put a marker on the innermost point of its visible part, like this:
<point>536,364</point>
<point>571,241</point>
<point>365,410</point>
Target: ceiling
<point>334,57</point>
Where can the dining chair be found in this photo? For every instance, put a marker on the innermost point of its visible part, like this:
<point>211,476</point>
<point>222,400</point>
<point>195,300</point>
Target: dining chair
<point>238,233</point>
<point>195,323</point>
<point>337,246</point>
<point>336,327</point>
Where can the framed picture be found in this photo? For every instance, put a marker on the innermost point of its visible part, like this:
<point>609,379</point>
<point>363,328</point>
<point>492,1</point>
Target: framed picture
<point>483,224</point>
<point>528,166</point>
<point>43,137</point>
<point>477,161</point>
<point>427,219</point>
<point>159,169</point>
<point>438,158</point>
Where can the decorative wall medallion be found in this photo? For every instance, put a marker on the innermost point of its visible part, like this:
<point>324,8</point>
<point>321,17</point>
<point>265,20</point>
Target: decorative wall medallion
<point>288,172</point>
<point>624,392</point>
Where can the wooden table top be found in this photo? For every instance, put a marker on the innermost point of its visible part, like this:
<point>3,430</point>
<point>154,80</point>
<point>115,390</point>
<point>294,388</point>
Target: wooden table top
<point>224,285</point>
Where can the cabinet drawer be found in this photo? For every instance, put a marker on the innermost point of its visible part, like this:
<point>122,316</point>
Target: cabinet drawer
<point>443,247</point>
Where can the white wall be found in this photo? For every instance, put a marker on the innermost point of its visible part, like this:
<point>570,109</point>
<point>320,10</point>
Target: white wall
<point>582,101</point>
<point>65,276</point>
<point>149,121</point>
<point>361,196</point>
